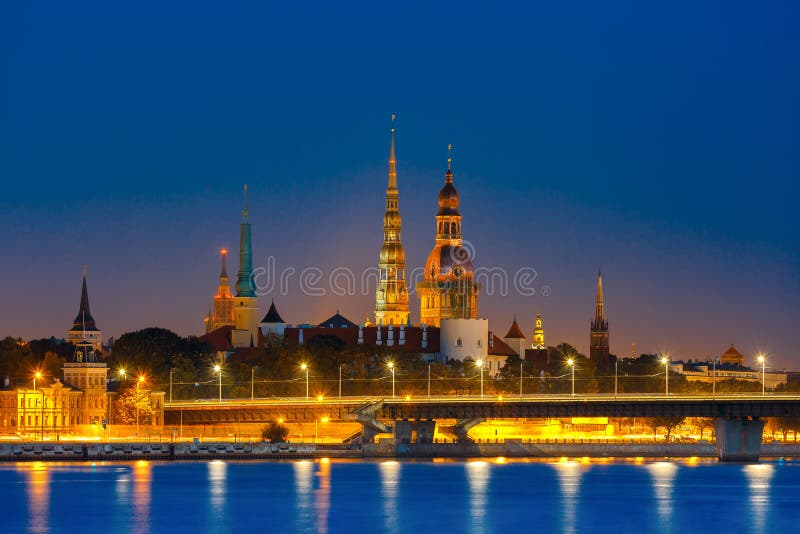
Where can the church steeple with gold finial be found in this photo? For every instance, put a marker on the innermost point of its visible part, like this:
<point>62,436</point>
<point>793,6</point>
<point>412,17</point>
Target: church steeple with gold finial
<point>391,297</point>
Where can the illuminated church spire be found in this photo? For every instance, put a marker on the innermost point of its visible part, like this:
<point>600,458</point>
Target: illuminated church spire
<point>245,304</point>
<point>391,297</point>
<point>222,313</point>
<point>449,290</point>
<point>598,345</point>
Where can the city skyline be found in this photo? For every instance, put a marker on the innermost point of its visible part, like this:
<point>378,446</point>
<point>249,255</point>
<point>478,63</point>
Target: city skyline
<point>686,205</point>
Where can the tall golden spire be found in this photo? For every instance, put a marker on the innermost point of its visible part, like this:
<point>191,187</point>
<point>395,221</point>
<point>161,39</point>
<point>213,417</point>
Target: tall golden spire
<point>391,299</point>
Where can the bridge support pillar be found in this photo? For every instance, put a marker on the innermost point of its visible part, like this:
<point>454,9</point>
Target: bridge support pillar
<point>738,439</point>
<point>406,431</point>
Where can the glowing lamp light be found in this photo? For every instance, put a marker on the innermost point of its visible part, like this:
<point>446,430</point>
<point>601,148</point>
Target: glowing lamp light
<point>324,420</point>
<point>141,378</point>
<point>223,251</point>
<point>408,397</point>
<point>280,420</point>
<point>303,366</point>
<point>479,363</point>
<point>121,372</point>
<point>570,362</point>
<point>38,374</point>
<point>320,398</point>
<point>761,358</point>
<point>664,360</point>
<point>390,365</point>
<point>217,368</point>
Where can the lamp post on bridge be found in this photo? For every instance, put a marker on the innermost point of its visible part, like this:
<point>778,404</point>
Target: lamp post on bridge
<point>479,363</point>
<point>665,361</point>
<point>391,368</point>
<point>571,363</point>
<point>616,374</point>
<point>763,361</point>
<point>304,367</point>
<point>218,370</point>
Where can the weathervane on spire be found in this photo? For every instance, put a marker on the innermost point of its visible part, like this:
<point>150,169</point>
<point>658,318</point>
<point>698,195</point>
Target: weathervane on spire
<point>244,211</point>
<point>393,118</point>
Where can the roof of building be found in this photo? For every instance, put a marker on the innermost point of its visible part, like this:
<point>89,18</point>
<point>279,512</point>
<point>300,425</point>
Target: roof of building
<point>272,315</point>
<point>413,336</point>
<point>515,332</point>
<point>219,339</point>
<point>338,321</point>
<point>84,322</point>
<point>498,347</point>
<point>733,352</point>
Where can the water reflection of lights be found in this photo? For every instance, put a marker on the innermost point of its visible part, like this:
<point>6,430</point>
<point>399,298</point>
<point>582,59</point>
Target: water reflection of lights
<point>569,478</point>
<point>322,498</point>
<point>38,490</point>
<point>304,488</point>
<point>142,478</point>
<point>217,482</point>
<point>663,474</point>
<point>390,484</point>
<point>478,477</point>
<point>759,477</point>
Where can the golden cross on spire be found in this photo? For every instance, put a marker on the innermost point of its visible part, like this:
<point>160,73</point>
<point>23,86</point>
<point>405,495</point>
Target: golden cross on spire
<point>393,118</point>
<point>449,155</point>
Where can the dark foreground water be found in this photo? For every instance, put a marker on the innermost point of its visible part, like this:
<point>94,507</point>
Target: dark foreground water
<point>349,496</point>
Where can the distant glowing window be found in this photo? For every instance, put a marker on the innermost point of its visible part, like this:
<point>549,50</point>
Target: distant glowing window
<point>458,342</point>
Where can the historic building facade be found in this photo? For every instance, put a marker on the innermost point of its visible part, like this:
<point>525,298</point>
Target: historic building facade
<point>598,343</point>
<point>391,297</point>
<point>448,290</point>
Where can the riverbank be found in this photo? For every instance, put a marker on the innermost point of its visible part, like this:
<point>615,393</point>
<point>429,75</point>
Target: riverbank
<point>102,452</point>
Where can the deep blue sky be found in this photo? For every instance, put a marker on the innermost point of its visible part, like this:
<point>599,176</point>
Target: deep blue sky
<point>660,142</point>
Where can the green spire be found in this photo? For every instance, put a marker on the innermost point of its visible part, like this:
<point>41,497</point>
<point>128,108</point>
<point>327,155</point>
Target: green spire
<point>244,284</point>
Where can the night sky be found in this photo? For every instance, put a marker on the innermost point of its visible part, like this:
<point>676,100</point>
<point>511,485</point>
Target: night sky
<point>659,142</point>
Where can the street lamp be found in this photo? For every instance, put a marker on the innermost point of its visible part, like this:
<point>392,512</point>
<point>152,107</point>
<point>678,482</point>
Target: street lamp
<point>37,375</point>
<point>521,361</point>
<point>479,363</point>
<point>121,373</point>
<point>665,361</point>
<point>218,370</point>
<point>304,367</point>
<point>571,363</point>
<point>429,380</point>
<point>616,374</point>
<point>391,368</point>
<point>340,380</point>
<point>138,381</point>
<point>763,361</point>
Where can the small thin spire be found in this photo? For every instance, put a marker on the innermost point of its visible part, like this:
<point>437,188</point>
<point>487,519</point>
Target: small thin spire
<point>392,160</point>
<point>224,253</point>
<point>449,162</point>
<point>84,270</point>
<point>244,210</point>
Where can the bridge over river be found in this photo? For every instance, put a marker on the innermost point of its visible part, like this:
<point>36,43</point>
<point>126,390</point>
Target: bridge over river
<point>739,418</point>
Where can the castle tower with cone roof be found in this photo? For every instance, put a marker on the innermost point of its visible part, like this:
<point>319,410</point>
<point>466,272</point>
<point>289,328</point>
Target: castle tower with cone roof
<point>84,331</point>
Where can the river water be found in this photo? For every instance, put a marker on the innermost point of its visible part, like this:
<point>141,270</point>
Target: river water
<point>389,496</point>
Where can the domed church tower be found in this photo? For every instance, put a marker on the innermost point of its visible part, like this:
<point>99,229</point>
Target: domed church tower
<point>448,290</point>
<point>391,298</point>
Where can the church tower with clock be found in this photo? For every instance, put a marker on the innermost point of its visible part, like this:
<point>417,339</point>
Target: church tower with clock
<point>449,290</point>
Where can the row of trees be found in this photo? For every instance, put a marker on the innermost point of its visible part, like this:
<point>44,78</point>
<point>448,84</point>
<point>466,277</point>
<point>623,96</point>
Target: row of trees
<point>163,357</point>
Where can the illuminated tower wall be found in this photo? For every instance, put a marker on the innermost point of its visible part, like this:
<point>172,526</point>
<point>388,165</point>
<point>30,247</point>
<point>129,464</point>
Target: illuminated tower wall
<point>391,297</point>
